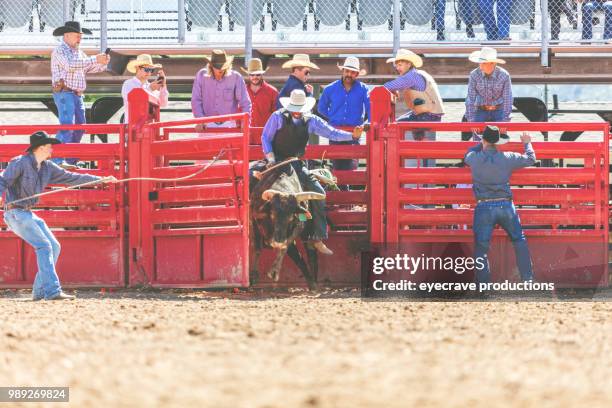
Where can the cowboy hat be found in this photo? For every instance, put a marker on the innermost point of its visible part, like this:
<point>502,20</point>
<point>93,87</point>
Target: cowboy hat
<point>255,67</point>
<point>298,102</point>
<point>352,64</point>
<point>71,27</point>
<point>486,54</point>
<point>143,60</point>
<point>407,55</point>
<point>40,138</point>
<point>300,60</point>
<point>219,60</point>
<point>492,135</point>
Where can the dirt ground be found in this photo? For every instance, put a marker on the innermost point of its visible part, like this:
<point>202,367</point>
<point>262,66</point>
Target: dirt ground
<point>282,349</point>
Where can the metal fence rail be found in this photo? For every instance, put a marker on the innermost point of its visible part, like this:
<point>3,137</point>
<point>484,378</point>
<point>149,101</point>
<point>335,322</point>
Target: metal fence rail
<point>286,23</point>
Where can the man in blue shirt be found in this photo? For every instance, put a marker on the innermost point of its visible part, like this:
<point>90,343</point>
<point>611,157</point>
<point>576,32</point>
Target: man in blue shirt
<point>345,102</point>
<point>285,135</point>
<point>491,171</point>
<point>300,67</point>
<point>489,97</point>
<point>28,175</point>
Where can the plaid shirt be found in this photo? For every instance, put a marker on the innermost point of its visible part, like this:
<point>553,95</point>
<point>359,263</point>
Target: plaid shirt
<point>494,89</point>
<point>71,65</point>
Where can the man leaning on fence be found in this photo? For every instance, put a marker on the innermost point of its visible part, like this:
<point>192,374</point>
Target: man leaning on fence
<point>346,102</point>
<point>69,66</point>
<point>26,176</point>
<point>491,172</point>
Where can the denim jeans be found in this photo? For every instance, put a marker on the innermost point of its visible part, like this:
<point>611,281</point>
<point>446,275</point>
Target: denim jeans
<point>35,232</point>
<point>496,29</point>
<point>419,135</point>
<point>587,18</point>
<point>503,213</point>
<point>439,10</point>
<point>489,116</point>
<point>71,111</point>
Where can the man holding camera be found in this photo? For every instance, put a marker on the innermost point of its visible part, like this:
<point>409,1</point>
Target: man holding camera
<point>69,66</point>
<point>143,68</point>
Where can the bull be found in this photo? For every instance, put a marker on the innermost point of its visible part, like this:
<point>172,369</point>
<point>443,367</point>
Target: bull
<point>279,208</point>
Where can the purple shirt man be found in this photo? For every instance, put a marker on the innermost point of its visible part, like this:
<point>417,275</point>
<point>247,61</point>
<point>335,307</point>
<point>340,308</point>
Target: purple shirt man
<point>212,97</point>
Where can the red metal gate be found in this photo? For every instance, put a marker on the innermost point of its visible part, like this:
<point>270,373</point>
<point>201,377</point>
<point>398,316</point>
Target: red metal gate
<point>89,223</point>
<point>192,233</point>
<point>564,210</point>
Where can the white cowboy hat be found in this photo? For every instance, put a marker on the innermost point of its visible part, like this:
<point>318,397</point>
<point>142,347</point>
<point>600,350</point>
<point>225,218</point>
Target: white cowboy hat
<point>143,60</point>
<point>486,54</point>
<point>298,102</point>
<point>255,67</point>
<point>300,60</point>
<point>407,55</point>
<point>352,64</point>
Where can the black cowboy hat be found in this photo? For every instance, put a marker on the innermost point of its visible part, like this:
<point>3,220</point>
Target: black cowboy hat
<point>40,138</point>
<point>71,27</point>
<point>492,135</point>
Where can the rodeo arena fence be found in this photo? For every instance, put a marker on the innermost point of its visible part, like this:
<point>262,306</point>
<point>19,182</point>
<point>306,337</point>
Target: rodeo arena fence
<point>339,24</point>
<point>180,226</point>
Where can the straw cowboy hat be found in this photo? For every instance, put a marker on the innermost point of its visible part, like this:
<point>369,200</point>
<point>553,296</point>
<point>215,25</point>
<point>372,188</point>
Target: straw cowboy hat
<point>300,60</point>
<point>486,54</point>
<point>407,55</point>
<point>255,67</point>
<point>352,64</point>
<point>40,138</point>
<point>492,135</point>
<point>71,27</point>
<point>143,60</point>
<point>298,102</point>
<point>219,60</point>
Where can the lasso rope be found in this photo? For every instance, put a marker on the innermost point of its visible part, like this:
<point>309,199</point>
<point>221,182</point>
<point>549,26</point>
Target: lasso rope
<point>106,179</point>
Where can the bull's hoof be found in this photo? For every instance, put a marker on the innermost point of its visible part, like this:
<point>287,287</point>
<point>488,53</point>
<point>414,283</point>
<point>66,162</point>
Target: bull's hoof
<point>312,286</point>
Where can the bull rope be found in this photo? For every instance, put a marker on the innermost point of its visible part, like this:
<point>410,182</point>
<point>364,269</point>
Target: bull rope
<point>106,179</point>
<point>289,160</point>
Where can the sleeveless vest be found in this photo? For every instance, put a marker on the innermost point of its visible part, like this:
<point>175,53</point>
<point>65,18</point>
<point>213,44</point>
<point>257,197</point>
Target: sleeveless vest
<point>431,96</point>
<point>291,139</point>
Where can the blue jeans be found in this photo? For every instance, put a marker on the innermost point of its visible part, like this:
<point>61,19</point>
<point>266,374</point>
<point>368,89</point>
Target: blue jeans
<point>489,116</point>
<point>419,135</point>
<point>496,29</point>
<point>439,10</point>
<point>35,232</point>
<point>587,18</point>
<point>71,111</point>
<point>486,216</point>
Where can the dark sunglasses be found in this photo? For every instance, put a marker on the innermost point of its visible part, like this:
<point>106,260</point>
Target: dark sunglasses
<point>149,70</point>
<point>306,72</point>
<point>256,75</point>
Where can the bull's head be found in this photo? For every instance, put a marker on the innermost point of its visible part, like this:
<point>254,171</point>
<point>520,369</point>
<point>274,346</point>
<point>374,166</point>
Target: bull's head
<point>284,212</point>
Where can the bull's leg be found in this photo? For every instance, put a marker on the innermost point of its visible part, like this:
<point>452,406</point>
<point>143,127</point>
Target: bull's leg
<point>295,255</point>
<point>274,272</point>
<point>255,247</point>
<point>313,261</point>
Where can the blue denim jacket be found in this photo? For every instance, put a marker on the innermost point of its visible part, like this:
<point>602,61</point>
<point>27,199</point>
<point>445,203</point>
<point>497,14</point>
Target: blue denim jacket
<point>22,178</point>
<point>491,169</point>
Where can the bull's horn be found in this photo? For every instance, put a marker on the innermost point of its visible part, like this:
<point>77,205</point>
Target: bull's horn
<point>309,195</point>
<point>268,194</point>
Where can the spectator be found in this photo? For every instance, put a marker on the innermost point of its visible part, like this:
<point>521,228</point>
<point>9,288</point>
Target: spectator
<point>218,90</point>
<point>144,67</point>
<point>588,8</point>
<point>300,67</point>
<point>496,29</point>
<point>345,102</point>
<point>262,94</point>
<point>489,97</point>
<point>69,67</point>
<point>555,9</point>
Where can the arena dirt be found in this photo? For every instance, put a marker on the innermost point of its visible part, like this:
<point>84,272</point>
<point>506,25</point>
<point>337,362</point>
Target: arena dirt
<point>220,349</point>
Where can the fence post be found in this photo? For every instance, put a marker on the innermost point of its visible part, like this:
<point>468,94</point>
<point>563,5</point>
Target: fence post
<point>248,32</point>
<point>396,26</point>
<point>103,25</point>
<point>181,21</point>
<point>66,10</point>
<point>545,17</point>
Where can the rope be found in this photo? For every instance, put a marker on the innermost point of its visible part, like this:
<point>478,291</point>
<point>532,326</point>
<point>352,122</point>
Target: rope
<point>106,179</point>
<point>289,160</point>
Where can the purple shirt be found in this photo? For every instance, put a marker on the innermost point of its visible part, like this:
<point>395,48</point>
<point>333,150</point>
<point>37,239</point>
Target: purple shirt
<point>210,97</point>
